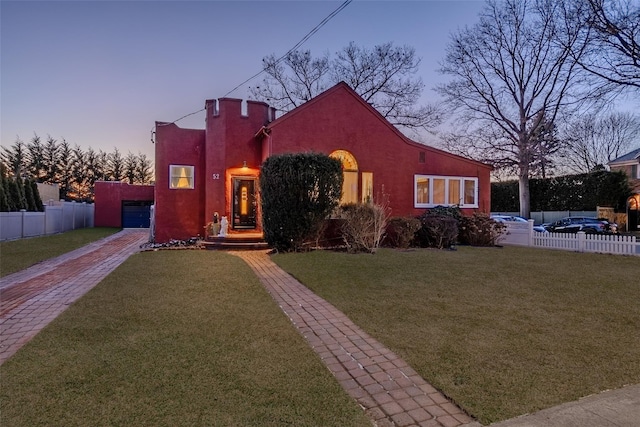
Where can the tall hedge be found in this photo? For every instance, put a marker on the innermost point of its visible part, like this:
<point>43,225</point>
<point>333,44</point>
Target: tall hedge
<point>17,194</point>
<point>298,192</point>
<point>582,192</point>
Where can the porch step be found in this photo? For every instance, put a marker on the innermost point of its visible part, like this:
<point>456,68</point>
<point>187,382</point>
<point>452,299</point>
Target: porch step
<point>236,242</point>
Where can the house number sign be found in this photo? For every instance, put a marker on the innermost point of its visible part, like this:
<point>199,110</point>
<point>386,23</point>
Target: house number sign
<point>216,176</point>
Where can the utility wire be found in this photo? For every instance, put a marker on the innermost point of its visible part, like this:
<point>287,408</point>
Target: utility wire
<point>297,45</point>
<point>280,59</point>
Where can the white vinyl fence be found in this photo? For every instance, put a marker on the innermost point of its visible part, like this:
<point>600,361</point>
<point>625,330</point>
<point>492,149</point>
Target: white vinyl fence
<point>518,233</point>
<point>58,218</point>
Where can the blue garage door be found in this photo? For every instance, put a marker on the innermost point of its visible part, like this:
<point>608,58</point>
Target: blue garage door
<point>136,214</point>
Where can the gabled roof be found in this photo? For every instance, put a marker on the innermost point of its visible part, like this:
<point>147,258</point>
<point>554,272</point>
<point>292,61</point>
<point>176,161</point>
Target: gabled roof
<point>629,157</point>
<point>342,86</point>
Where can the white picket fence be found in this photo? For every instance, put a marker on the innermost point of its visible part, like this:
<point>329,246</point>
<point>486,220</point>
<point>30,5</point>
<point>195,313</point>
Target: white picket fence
<point>518,233</point>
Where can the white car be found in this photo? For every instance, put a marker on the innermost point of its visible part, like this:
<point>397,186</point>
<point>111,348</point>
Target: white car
<point>503,218</point>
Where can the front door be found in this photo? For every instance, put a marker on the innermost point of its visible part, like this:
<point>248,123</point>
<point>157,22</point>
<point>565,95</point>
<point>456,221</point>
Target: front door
<point>244,203</point>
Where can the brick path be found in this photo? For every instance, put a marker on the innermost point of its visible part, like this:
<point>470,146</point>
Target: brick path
<point>389,390</point>
<point>31,298</point>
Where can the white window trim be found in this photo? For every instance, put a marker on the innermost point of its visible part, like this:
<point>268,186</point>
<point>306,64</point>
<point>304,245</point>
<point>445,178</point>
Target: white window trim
<point>193,177</point>
<point>430,204</point>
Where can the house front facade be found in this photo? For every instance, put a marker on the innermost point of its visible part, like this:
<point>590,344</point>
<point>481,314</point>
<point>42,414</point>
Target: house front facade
<point>213,172</point>
<point>630,165</point>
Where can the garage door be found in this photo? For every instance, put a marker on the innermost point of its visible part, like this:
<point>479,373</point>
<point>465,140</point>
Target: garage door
<point>136,214</point>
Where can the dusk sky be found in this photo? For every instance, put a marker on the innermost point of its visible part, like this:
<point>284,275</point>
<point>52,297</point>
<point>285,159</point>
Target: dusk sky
<point>100,73</point>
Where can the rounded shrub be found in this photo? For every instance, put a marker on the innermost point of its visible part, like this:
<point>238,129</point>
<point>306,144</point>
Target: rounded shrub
<point>298,191</point>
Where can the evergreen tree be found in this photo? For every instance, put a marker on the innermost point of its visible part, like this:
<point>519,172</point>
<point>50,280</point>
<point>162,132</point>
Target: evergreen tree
<point>51,159</point>
<point>39,207</point>
<point>13,195</point>
<point>4,189</point>
<point>66,169</point>
<point>29,197</point>
<point>78,187</point>
<point>17,194</point>
<point>144,171</point>
<point>101,167</point>
<point>15,157</point>
<point>116,165</point>
<point>130,166</point>
<point>35,159</point>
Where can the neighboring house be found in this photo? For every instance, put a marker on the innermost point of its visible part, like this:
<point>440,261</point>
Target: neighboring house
<point>215,170</point>
<point>49,193</point>
<point>630,165</point>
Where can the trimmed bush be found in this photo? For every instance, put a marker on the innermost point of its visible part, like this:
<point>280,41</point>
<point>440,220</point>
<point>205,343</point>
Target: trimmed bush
<point>479,230</point>
<point>438,227</point>
<point>437,231</point>
<point>449,211</point>
<point>401,231</point>
<point>298,192</point>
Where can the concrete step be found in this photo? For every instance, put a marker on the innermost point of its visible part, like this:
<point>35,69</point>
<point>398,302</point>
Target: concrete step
<point>236,242</point>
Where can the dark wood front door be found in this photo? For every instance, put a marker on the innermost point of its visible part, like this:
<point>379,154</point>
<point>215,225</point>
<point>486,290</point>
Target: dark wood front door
<point>244,203</point>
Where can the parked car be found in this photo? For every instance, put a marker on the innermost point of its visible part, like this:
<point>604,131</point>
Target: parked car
<point>503,218</point>
<point>580,223</point>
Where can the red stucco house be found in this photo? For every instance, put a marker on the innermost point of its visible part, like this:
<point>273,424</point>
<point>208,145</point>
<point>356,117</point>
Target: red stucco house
<point>122,205</point>
<point>215,170</point>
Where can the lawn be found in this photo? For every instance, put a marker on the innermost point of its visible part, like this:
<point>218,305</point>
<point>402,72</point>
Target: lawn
<point>502,331</point>
<point>17,255</point>
<point>173,338</point>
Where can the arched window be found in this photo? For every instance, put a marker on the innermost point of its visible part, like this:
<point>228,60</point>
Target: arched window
<point>350,173</point>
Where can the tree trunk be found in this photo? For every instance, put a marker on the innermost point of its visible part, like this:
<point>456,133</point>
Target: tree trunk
<point>523,186</point>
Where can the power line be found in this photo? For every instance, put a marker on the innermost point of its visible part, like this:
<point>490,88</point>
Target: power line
<point>296,46</point>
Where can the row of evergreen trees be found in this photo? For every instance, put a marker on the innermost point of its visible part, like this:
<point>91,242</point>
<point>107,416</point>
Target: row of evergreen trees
<point>75,170</point>
<point>17,194</point>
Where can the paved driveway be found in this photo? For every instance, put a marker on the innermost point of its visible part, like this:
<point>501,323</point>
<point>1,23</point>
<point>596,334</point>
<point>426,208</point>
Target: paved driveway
<point>33,297</point>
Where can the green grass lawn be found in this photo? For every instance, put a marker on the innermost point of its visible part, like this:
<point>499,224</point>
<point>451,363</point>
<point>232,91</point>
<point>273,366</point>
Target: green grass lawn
<point>17,255</point>
<point>503,331</point>
<point>173,338</point>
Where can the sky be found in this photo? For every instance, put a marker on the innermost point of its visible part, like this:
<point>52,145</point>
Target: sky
<point>100,73</point>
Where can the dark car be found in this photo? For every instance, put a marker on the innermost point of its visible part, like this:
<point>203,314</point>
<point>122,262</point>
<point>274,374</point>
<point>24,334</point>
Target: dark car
<point>579,223</point>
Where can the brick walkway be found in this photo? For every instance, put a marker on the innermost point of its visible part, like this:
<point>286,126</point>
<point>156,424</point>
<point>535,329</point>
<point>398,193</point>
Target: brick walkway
<point>31,298</point>
<point>389,390</point>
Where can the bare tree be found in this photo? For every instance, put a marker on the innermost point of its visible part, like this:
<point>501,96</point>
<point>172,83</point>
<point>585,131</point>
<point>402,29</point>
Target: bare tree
<point>511,79</point>
<point>594,140</point>
<point>613,30</point>
<point>384,76</point>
